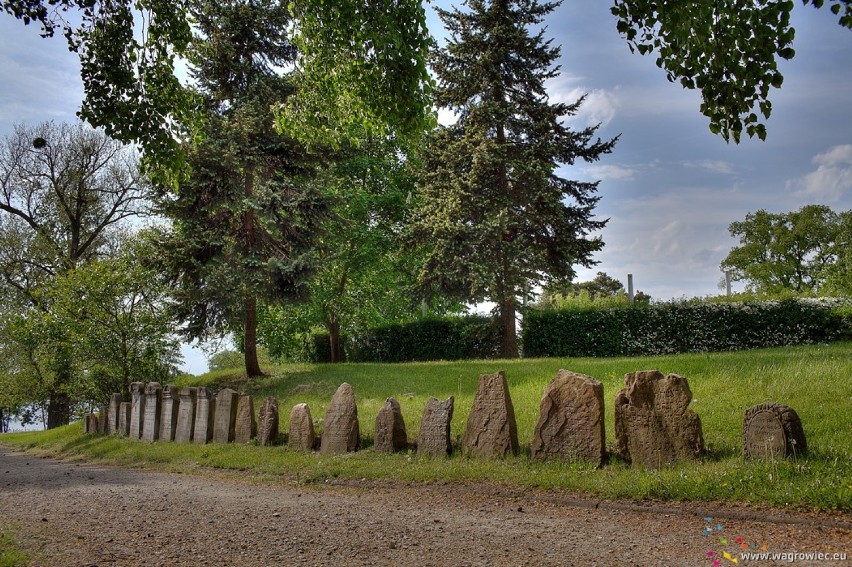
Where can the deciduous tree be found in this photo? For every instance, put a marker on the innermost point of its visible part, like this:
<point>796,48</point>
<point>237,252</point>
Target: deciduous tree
<point>792,251</point>
<point>65,189</point>
<point>361,66</point>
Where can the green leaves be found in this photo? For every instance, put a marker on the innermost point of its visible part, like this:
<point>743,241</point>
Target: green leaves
<point>727,49</point>
<point>361,71</point>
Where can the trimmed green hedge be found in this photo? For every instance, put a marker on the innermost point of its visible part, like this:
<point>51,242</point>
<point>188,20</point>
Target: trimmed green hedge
<point>455,338</point>
<point>686,326</point>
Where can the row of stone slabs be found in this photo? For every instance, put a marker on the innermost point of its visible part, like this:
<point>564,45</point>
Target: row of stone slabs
<point>653,425</point>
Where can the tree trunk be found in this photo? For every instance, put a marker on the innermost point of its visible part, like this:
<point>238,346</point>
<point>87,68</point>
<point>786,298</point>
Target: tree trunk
<point>58,410</point>
<point>507,322</point>
<point>333,328</point>
<point>250,339</point>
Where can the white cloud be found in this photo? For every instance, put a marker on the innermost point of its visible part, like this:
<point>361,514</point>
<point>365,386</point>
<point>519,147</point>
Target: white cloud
<point>715,166</point>
<point>611,172</point>
<point>600,106</point>
<point>831,179</point>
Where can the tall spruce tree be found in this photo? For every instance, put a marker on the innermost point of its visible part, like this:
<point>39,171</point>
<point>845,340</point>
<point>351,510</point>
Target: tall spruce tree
<point>492,206</point>
<point>245,219</point>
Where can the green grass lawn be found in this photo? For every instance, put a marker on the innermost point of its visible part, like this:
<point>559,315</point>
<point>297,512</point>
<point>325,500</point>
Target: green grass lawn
<point>814,380</point>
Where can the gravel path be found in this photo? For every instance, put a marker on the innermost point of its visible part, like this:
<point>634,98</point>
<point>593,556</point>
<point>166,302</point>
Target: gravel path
<point>71,514</point>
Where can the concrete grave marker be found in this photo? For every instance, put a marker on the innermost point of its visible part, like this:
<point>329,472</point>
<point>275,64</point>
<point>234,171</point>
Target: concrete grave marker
<point>137,409</point>
<point>112,416</point>
<point>434,439</point>
<point>491,428</point>
<point>390,428</point>
<point>90,423</point>
<point>226,416</point>
<point>773,431</point>
<point>169,412</point>
<point>205,409</point>
<point>653,425</point>
<point>246,426</point>
<point>340,428</point>
<point>103,417</point>
<point>124,412</point>
<point>571,422</point>
<point>186,414</point>
<point>153,399</point>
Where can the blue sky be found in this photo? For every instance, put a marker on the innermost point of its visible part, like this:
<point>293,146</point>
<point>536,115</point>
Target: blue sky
<point>670,188</point>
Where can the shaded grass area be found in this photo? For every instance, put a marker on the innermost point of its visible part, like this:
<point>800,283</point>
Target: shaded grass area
<point>814,380</point>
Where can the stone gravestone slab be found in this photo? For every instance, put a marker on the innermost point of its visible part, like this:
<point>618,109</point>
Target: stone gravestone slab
<point>124,419</point>
<point>103,417</point>
<point>153,399</point>
<point>246,426</point>
<point>653,425</point>
<point>186,415</point>
<point>491,428</point>
<point>571,423</point>
<point>169,412</point>
<point>302,435</point>
<point>90,423</point>
<point>205,409</point>
<point>434,439</point>
<point>137,409</point>
<point>773,431</point>
<point>390,428</point>
<point>340,428</point>
<point>268,428</point>
<point>226,416</point>
<point>112,415</point>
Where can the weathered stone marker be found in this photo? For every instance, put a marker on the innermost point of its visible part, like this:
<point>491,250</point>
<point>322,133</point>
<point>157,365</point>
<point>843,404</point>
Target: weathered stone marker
<point>103,417</point>
<point>390,428</point>
<point>186,414</point>
<point>90,423</point>
<point>137,409</point>
<point>434,439</point>
<point>773,431</point>
<point>653,425</point>
<point>340,428</point>
<point>571,423</point>
<point>226,416</point>
<point>169,412</point>
<point>153,399</point>
<point>491,428</point>
<point>112,415</point>
<point>268,427</point>
<point>302,435</point>
<point>245,428</point>
<point>204,412</point>
<point>124,419</point>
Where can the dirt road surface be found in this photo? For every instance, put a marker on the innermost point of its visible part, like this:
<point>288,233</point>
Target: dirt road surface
<point>71,514</point>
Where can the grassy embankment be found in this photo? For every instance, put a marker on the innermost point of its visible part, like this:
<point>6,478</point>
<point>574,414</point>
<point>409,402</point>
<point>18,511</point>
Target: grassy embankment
<point>814,380</point>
